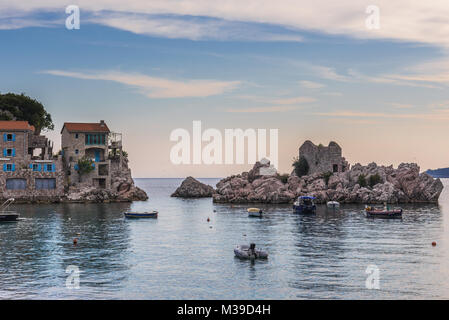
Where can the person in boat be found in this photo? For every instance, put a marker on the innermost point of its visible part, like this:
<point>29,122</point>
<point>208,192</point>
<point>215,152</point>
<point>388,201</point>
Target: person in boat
<point>252,250</point>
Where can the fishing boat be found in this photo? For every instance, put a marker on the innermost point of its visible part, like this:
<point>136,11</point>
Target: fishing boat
<point>254,212</point>
<point>333,204</point>
<point>384,212</point>
<point>249,252</point>
<point>5,215</point>
<point>304,205</point>
<point>134,215</point>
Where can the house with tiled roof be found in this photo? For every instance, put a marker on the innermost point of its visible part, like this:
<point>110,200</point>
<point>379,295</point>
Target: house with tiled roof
<point>94,141</point>
<point>28,168</point>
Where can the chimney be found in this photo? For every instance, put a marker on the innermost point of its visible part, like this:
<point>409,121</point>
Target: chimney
<point>102,123</point>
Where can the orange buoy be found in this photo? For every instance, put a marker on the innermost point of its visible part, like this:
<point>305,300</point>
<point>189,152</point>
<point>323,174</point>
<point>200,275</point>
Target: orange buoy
<point>208,220</point>
<point>75,241</point>
<point>434,244</point>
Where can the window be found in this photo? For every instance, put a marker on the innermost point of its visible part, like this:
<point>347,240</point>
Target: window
<point>335,167</point>
<point>77,151</point>
<point>9,167</point>
<point>16,184</point>
<point>9,152</point>
<point>76,135</point>
<point>36,167</point>
<point>45,184</point>
<point>9,137</point>
<point>49,167</point>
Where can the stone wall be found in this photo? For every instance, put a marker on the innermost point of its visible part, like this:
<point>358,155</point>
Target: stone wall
<point>77,141</point>
<point>31,194</point>
<point>323,159</point>
<point>21,146</point>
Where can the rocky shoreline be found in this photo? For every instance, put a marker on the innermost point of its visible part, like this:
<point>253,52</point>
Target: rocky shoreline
<point>360,185</point>
<point>123,189</point>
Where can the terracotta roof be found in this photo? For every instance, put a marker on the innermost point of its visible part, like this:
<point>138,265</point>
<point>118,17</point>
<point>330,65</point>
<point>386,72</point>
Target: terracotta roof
<point>85,127</point>
<point>15,125</point>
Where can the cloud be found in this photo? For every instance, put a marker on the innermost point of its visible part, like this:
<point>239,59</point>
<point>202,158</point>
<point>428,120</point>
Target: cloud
<point>192,28</point>
<point>264,109</point>
<point>154,87</point>
<point>413,21</point>
<point>401,105</point>
<point>441,115</point>
<point>311,84</point>
<point>294,100</point>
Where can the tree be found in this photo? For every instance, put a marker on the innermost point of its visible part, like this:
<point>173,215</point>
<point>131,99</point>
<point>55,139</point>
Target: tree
<point>301,166</point>
<point>362,180</point>
<point>85,166</point>
<point>326,176</point>
<point>374,179</point>
<point>21,107</point>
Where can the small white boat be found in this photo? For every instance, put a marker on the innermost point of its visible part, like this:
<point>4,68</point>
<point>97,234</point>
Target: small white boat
<point>249,252</point>
<point>254,212</point>
<point>333,204</point>
<point>7,216</point>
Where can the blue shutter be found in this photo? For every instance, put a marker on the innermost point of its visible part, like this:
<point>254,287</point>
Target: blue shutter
<point>76,167</point>
<point>13,137</point>
<point>13,166</point>
<point>53,168</point>
<point>14,152</point>
<point>4,152</point>
<point>31,166</point>
<point>5,137</point>
<point>39,167</point>
<point>93,165</point>
<point>4,167</point>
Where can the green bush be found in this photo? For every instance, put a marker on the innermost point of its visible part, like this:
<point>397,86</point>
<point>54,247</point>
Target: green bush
<point>374,179</point>
<point>301,166</point>
<point>362,180</point>
<point>85,166</point>
<point>326,176</point>
<point>283,177</point>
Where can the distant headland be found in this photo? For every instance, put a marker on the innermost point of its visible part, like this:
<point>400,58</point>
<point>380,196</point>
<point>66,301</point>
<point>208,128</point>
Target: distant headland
<point>439,173</point>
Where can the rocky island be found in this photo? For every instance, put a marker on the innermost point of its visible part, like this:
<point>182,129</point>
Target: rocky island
<point>192,188</point>
<point>323,173</point>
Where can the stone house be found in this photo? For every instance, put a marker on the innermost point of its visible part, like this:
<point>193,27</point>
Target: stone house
<point>323,159</point>
<point>92,140</point>
<point>28,169</point>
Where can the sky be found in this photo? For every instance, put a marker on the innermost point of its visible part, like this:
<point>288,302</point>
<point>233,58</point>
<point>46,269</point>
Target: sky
<point>313,70</point>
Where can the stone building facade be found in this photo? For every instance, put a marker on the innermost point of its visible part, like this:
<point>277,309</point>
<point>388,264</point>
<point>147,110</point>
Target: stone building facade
<point>323,159</point>
<point>94,141</point>
<point>28,169</point>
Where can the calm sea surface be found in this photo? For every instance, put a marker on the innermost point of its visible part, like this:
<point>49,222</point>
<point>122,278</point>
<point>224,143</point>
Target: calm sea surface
<point>182,256</point>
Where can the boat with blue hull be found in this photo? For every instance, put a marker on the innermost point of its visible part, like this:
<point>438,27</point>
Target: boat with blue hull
<point>136,215</point>
<point>304,205</point>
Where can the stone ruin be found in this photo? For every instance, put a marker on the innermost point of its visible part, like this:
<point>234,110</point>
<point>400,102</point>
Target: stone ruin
<point>323,159</point>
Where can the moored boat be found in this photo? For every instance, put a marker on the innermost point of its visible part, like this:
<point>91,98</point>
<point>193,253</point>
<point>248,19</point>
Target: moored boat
<point>254,212</point>
<point>384,213</point>
<point>249,252</point>
<point>304,205</point>
<point>152,214</point>
<point>333,204</point>
<point>7,216</point>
